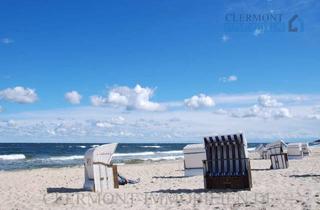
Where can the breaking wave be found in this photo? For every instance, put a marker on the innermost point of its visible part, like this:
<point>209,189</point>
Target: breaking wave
<point>13,157</point>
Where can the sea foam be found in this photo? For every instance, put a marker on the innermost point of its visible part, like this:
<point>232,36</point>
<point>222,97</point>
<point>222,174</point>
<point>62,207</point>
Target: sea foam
<point>13,157</point>
<point>63,158</point>
<point>133,154</point>
<point>150,146</point>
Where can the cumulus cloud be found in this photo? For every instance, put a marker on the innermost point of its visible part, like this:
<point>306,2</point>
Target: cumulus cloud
<point>131,98</point>
<point>221,112</point>
<point>267,107</point>
<point>93,123</point>
<point>19,95</point>
<point>262,112</point>
<point>199,101</point>
<point>104,125</point>
<point>73,97</point>
<point>231,78</point>
<point>98,100</point>
<point>268,101</point>
<point>315,113</point>
<point>282,113</point>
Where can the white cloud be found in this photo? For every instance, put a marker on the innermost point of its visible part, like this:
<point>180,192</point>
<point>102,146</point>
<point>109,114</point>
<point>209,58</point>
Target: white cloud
<point>225,38</point>
<point>119,120</point>
<point>11,123</point>
<point>98,100</point>
<point>221,112</point>
<point>240,112</point>
<point>314,116</point>
<point>19,95</point>
<point>258,32</point>
<point>104,125</point>
<point>282,113</point>
<point>315,113</point>
<point>199,101</point>
<point>231,78</point>
<point>316,109</point>
<point>267,107</point>
<point>96,124</point>
<point>6,41</point>
<point>268,101</point>
<point>262,112</point>
<point>131,98</point>
<point>73,97</point>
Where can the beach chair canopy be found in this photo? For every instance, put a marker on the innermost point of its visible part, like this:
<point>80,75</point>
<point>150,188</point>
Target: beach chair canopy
<point>276,147</point>
<point>101,154</point>
<point>226,155</point>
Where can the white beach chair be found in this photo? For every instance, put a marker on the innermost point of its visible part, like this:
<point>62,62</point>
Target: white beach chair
<point>276,147</point>
<point>100,174</point>
<point>295,151</point>
<point>194,154</point>
<point>260,149</point>
<point>306,149</point>
<point>275,151</point>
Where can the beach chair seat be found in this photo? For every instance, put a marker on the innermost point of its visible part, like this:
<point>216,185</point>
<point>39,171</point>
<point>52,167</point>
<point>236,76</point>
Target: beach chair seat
<point>100,174</point>
<point>227,164</point>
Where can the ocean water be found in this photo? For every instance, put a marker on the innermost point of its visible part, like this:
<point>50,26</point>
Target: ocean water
<point>14,156</point>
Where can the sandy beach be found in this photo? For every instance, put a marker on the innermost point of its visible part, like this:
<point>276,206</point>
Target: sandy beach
<point>163,186</point>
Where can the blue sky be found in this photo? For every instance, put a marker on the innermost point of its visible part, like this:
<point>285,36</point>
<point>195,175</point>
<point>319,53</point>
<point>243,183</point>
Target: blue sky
<point>173,49</point>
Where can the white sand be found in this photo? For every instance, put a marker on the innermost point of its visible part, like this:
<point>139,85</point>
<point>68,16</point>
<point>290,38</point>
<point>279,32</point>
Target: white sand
<point>163,186</point>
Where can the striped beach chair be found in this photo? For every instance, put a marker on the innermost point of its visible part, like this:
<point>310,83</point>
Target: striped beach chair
<point>227,164</point>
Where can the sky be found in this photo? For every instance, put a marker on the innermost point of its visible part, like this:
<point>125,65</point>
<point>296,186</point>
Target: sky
<point>158,71</point>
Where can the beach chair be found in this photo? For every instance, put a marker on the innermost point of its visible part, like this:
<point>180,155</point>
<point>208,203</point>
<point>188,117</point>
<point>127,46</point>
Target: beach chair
<point>227,165</point>
<point>260,150</point>
<point>275,151</point>
<point>277,147</point>
<point>100,174</point>
<point>306,149</point>
<point>194,154</point>
<point>295,151</point>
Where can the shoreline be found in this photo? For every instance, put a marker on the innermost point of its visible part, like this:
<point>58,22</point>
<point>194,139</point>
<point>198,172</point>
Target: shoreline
<point>163,186</point>
<point>82,166</point>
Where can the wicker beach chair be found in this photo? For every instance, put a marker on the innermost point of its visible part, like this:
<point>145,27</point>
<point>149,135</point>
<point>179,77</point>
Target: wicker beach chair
<point>100,174</point>
<point>259,150</point>
<point>227,164</point>
<point>275,151</point>
<point>306,149</point>
<point>295,151</point>
<point>194,154</point>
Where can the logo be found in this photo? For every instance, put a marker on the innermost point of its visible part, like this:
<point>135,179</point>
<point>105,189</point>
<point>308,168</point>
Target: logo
<point>295,24</point>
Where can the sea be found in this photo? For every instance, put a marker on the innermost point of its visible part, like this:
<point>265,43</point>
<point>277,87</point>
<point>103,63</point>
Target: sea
<point>17,156</point>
